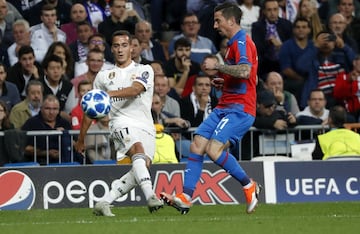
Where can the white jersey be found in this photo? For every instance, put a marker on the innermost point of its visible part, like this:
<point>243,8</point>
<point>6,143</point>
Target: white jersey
<point>127,112</point>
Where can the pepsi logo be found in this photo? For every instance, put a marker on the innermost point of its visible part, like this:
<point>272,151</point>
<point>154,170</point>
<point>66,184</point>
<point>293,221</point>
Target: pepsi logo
<point>17,191</point>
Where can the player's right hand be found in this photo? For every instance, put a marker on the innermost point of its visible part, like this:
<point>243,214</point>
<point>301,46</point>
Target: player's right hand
<point>217,82</point>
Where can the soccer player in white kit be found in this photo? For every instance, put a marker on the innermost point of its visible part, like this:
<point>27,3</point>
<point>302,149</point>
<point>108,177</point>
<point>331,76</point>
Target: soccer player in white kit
<point>130,86</point>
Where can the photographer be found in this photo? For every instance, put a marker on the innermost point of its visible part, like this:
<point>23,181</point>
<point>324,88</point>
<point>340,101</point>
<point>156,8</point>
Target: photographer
<point>322,64</point>
<point>268,117</point>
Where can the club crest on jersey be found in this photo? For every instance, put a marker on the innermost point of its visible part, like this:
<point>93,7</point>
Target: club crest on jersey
<point>111,75</point>
<point>144,76</point>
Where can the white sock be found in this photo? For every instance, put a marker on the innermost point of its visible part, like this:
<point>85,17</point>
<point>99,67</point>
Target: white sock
<point>121,187</point>
<point>142,175</point>
<point>248,185</point>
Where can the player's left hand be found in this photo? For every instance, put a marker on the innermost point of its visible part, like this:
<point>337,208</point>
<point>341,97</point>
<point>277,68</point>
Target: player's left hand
<point>80,147</point>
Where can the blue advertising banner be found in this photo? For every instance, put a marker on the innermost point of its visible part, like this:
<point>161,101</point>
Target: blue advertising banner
<point>317,181</point>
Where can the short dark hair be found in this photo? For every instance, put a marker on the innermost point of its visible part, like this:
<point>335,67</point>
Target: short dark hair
<point>188,14</point>
<point>47,7</point>
<point>51,58</point>
<point>25,50</point>
<point>82,23</point>
<point>315,90</point>
<point>228,10</point>
<point>337,115</point>
<point>122,33</point>
<point>182,42</point>
<point>301,19</point>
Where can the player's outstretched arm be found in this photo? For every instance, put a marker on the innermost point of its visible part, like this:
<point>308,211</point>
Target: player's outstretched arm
<point>80,143</point>
<point>135,89</point>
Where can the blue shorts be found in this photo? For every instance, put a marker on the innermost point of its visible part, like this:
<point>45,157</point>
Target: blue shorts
<point>225,125</point>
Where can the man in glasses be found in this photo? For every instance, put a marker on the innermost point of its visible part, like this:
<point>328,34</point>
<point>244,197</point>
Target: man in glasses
<point>200,46</point>
<point>96,41</point>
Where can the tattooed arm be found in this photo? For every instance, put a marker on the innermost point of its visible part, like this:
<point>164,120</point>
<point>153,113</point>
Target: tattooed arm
<point>240,71</point>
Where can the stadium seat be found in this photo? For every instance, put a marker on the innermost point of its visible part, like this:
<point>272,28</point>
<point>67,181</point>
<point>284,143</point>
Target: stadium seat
<point>64,164</point>
<point>22,164</point>
<point>102,162</point>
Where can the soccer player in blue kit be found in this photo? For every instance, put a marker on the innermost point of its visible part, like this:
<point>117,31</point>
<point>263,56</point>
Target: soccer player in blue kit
<point>233,116</point>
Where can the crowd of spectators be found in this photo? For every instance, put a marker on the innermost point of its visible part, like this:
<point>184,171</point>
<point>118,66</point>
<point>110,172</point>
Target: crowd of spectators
<point>53,49</point>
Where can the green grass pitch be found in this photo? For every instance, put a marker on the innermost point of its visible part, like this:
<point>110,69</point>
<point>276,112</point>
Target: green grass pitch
<point>319,218</point>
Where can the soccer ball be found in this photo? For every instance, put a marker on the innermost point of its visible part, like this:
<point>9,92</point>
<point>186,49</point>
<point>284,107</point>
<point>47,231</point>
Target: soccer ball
<point>96,103</point>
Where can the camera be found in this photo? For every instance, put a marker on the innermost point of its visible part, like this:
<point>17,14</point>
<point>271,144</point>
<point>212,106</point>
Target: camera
<point>331,37</point>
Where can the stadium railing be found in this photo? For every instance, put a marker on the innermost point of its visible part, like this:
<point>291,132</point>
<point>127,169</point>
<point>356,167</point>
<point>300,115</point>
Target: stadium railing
<point>271,146</point>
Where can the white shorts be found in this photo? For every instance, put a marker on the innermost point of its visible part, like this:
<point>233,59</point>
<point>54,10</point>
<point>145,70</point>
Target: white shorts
<point>126,137</point>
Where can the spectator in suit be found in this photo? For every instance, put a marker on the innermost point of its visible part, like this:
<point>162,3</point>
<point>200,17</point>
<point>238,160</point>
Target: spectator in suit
<point>45,33</point>
<point>151,48</point>
<point>136,52</point>
<point>9,93</point>
<point>30,106</point>
<point>200,46</point>
<point>268,34</point>
<point>25,69</point>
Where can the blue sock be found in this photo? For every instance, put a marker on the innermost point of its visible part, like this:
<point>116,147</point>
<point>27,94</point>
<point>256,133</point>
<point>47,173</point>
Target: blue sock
<point>232,166</point>
<point>192,173</point>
